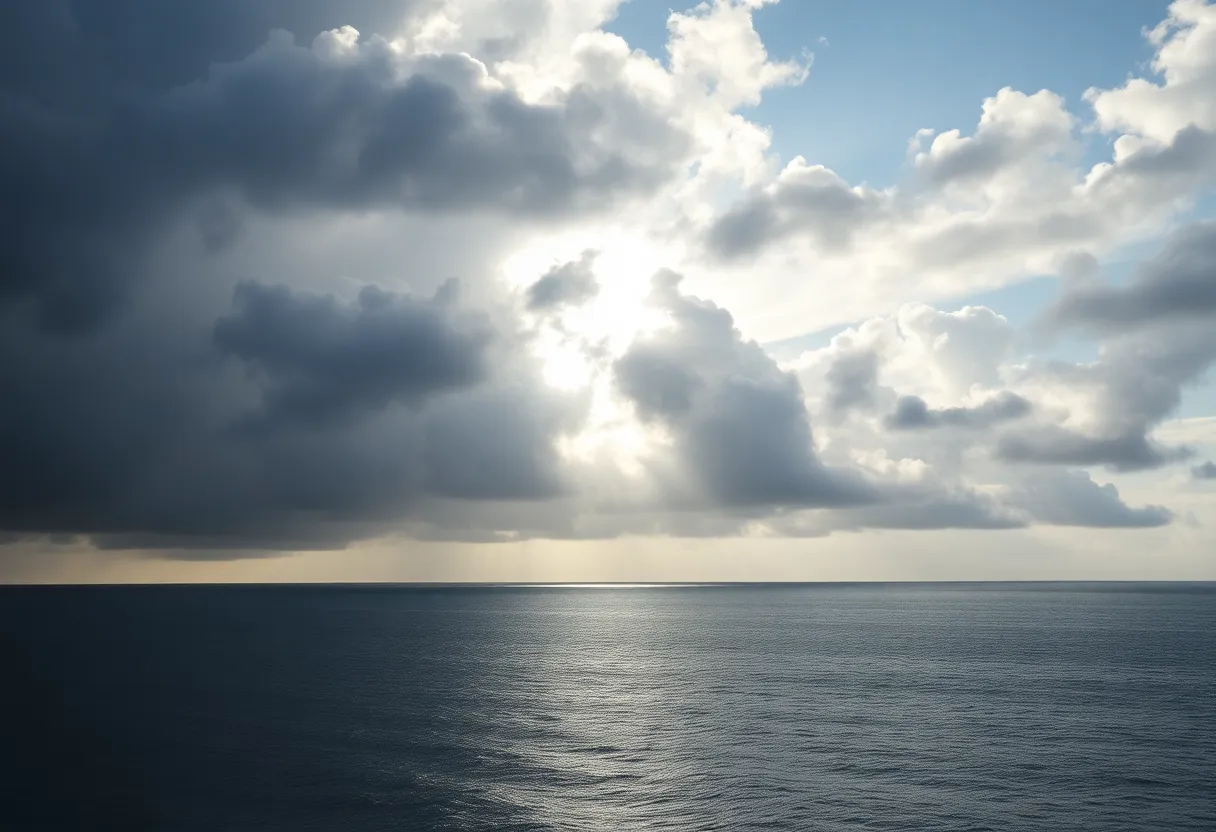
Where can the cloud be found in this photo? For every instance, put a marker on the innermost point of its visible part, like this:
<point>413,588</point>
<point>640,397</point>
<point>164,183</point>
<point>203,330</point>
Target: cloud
<point>323,358</point>
<point>739,428</point>
<point>228,322</point>
<point>917,506</point>
<point>295,420</point>
<point>195,407</point>
<point>1013,128</point>
<point>1051,445</point>
<point>946,354</point>
<point>807,199</point>
<point>1176,285</point>
<point>1151,353</point>
<point>124,45</point>
<point>1071,498</point>
<point>1185,62</point>
<point>570,284</point>
<point>911,413</point>
<point>852,379</point>
<point>347,123</point>
<point>1204,471</point>
<point>1142,378</point>
<point>969,213</point>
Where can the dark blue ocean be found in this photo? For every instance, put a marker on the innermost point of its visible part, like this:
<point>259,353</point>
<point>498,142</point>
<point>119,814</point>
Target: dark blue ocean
<point>901,707</point>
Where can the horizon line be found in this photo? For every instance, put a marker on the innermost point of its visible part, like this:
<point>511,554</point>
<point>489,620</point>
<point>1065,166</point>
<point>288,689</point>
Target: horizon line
<point>614,584</point>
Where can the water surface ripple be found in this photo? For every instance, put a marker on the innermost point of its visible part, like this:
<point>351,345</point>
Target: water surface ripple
<point>964,707</point>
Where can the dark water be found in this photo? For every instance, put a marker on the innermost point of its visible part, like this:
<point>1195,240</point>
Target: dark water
<point>895,707</point>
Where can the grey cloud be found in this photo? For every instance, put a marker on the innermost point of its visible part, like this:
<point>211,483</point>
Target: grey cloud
<point>910,506</point>
<point>1204,471</point>
<point>1178,284</point>
<point>911,413</point>
<point>85,49</point>
<point>1159,339</point>
<point>958,510</point>
<point>496,442</point>
<point>570,284</point>
<point>1166,170</point>
<point>324,358</point>
<point>365,413</point>
<point>290,124</point>
<point>1071,498</point>
<point>740,427</point>
<point>936,510</point>
<point>1136,382</point>
<point>815,202</point>
<point>1059,446</point>
<point>91,175</point>
<point>852,379</point>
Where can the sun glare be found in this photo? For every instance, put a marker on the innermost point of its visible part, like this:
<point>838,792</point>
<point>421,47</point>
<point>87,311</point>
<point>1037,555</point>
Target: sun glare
<point>570,342</point>
<point>576,344</point>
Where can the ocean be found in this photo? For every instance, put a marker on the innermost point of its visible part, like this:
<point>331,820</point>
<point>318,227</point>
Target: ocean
<point>799,707</point>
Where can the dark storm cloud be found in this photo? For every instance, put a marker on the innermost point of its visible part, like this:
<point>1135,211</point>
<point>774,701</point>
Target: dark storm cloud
<point>569,284</point>
<point>739,422</point>
<point>93,165</point>
<point>363,412</point>
<point>288,419</point>
<point>81,48</point>
<point>911,413</point>
<point>77,201</point>
<point>1071,498</point>
<point>324,358</point>
<point>1205,471</point>
<point>1179,284</point>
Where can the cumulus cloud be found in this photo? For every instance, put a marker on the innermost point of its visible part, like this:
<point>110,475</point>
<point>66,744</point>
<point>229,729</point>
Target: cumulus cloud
<point>1009,201</point>
<point>1185,62</point>
<point>228,320</point>
<point>806,199</point>
<point>739,428</point>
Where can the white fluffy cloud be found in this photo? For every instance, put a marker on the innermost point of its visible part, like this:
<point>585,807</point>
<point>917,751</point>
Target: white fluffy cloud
<point>1009,201</point>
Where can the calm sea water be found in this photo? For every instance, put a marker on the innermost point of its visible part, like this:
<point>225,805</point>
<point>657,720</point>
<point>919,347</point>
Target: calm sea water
<point>943,707</point>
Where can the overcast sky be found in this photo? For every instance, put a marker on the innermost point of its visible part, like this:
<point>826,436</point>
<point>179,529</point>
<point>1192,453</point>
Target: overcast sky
<point>532,290</point>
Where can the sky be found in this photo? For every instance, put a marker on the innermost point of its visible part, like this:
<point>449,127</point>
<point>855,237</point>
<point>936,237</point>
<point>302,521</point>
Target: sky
<point>300,290</point>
